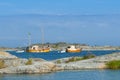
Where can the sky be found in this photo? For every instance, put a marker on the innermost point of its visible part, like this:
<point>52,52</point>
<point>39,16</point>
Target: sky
<point>93,22</point>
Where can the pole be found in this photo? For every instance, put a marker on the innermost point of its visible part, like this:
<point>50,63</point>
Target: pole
<point>29,39</point>
<point>42,35</point>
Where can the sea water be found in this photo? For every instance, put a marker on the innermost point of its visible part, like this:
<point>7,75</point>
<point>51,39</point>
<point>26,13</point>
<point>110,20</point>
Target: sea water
<point>67,75</point>
<point>56,55</point>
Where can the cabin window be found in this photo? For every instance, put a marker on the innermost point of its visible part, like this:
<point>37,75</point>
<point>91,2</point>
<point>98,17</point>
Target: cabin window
<point>34,48</point>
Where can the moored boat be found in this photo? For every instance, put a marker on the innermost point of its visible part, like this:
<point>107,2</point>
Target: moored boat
<point>19,51</point>
<point>37,49</point>
<point>73,49</point>
<point>62,51</point>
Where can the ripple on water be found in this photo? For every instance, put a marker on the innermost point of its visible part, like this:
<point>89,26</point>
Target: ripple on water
<point>67,75</point>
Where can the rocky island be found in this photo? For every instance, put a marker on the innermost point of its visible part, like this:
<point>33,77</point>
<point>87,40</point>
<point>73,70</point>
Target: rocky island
<point>64,45</point>
<point>12,64</point>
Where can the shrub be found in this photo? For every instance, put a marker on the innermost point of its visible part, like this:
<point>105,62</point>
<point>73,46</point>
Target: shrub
<point>58,61</point>
<point>2,64</point>
<point>88,56</point>
<point>29,62</point>
<point>73,59</point>
<point>115,64</point>
<point>70,60</point>
<point>78,58</point>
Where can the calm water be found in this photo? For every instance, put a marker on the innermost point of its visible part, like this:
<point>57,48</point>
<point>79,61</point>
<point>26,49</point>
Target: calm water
<point>67,75</point>
<point>55,55</point>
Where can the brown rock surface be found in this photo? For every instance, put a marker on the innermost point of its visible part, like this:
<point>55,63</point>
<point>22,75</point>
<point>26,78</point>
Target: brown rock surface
<point>6,55</point>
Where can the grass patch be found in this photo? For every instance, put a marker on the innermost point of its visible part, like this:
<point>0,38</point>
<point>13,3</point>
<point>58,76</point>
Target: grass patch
<point>2,64</point>
<point>29,62</point>
<point>58,61</point>
<point>87,56</point>
<point>115,64</point>
<point>73,59</point>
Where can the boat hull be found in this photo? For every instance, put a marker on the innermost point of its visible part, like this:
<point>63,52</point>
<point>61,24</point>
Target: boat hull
<point>38,51</point>
<point>73,50</point>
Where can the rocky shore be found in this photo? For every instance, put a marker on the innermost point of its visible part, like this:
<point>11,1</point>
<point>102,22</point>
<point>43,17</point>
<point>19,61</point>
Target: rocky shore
<point>13,64</point>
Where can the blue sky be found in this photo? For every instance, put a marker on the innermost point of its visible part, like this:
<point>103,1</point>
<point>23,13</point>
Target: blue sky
<point>93,22</point>
<point>59,7</point>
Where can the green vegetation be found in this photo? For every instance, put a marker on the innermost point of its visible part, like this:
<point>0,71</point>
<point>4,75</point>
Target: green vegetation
<point>58,61</point>
<point>29,62</point>
<point>88,56</point>
<point>2,64</point>
<point>73,59</point>
<point>115,64</point>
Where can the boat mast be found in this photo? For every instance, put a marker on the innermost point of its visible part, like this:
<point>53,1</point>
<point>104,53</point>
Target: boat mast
<point>29,39</point>
<point>42,36</point>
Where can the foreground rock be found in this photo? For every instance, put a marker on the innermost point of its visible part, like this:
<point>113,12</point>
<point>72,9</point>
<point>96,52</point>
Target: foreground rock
<point>19,66</point>
<point>94,63</point>
<point>6,55</point>
<point>16,65</point>
<point>11,64</point>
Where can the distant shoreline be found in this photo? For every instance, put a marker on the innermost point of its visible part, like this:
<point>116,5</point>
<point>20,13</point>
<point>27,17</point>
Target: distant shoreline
<point>84,48</point>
